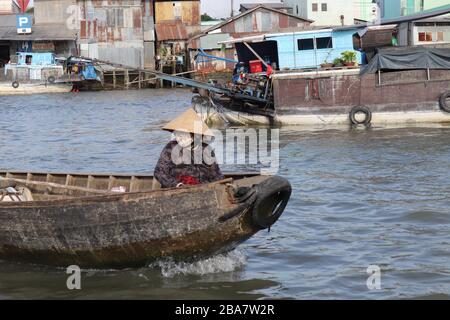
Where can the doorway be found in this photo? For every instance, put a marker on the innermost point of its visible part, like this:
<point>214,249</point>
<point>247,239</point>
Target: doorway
<point>4,53</point>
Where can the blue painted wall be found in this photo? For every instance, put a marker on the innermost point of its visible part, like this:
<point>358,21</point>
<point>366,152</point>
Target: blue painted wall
<point>39,59</point>
<point>292,58</point>
<point>392,9</point>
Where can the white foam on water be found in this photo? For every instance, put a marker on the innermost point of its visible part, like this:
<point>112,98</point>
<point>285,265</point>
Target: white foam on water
<point>227,262</point>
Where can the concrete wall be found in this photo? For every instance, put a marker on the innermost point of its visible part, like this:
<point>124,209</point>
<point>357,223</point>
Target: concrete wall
<point>350,9</point>
<point>52,11</point>
<point>5,7</point>
<point>439,34</point>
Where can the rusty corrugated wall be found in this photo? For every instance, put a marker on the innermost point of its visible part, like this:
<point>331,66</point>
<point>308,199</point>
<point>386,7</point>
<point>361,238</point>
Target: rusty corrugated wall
<point>120,31</point>
<point>187,12</point>
<point>263,20</point>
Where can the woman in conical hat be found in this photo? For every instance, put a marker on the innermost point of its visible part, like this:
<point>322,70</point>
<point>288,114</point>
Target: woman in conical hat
<point>186,160</point>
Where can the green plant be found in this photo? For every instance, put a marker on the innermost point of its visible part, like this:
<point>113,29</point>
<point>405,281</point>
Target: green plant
<point>348,56</point>
<point>337,62</point>
<point>328,56</point>
<point>163,51</point>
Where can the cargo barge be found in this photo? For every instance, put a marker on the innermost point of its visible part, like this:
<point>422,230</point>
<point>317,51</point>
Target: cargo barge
<point>391,85</point>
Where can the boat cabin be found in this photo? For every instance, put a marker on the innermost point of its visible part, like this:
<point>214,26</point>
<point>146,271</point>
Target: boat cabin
<point>31,66</point>
<point>297,50</point>
<point>35,59</point>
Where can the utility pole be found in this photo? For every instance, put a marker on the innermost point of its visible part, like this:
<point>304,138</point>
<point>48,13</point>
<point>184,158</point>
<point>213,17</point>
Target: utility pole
<point>232,8</point>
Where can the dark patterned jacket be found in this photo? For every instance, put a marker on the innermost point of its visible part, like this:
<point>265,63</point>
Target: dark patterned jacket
<point>170,174</point>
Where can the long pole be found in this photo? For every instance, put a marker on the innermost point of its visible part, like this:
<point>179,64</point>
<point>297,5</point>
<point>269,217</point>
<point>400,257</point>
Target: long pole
<point>232,8</point>
<point>256,54</point>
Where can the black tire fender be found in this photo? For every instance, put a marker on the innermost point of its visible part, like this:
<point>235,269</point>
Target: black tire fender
<point>272,198</point>
<point>51,79</point>
<point>15,84</point>
<point>443,101</point>
<point>360,109</point>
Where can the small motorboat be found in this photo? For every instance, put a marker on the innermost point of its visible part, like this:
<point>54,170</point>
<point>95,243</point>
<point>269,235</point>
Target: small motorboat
<point>120,221</point>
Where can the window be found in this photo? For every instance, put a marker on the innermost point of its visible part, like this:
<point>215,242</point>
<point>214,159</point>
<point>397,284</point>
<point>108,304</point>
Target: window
<point>422,36</point>
<point>440,36</point>
<point>324,43</point>
<point>177,11</point>
<point>425,36</point>
<point>305,44</point>
<point>324,7</point>
<point>315,7</point>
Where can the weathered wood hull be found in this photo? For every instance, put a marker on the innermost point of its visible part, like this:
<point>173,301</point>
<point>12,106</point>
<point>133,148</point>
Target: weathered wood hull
<point>128,229</point>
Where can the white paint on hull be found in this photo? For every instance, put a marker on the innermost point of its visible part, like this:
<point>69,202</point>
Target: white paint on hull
<point>213,117</point>
<point>6,89</point>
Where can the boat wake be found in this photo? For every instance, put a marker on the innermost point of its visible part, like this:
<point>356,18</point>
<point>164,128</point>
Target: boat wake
<point>227,262</point>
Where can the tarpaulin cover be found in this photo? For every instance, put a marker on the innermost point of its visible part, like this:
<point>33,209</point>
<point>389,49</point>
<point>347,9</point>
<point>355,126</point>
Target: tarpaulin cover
<point>408,58</point>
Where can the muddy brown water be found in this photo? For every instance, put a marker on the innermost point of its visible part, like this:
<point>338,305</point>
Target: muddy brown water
<point>361,197</point>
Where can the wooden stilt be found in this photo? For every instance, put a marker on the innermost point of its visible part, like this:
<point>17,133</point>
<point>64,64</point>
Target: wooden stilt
<point>127,79</point>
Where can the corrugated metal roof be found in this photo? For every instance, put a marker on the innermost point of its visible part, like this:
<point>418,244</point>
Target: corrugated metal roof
<point>276,5</point>
<point>171,30</point>
<point>211,41</point>
<point>243,14</point>
<point>40,33</point>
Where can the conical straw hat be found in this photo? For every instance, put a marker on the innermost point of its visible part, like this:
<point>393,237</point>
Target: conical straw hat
<point>190,122</point>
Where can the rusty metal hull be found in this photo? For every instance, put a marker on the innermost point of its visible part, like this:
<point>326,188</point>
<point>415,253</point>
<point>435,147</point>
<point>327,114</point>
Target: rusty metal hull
<point>333,92</point>
<point>124,230</point>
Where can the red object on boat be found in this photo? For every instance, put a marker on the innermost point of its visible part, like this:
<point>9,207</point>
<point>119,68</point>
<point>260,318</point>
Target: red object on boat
<point>269,71</point>
<point>189,181</point>
<point>255,66</point>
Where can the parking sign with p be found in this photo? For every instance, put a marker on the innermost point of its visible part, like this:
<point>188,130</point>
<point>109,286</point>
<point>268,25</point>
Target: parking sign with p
<point>24,23</point>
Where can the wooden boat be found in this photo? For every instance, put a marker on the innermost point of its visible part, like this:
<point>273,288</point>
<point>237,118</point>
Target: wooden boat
<point>118,221</point>
<point>6,89</point>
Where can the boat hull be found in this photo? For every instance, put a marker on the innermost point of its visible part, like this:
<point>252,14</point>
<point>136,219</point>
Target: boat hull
<point>327,98</point>
<point>6,89</point>
<point>126,230</point>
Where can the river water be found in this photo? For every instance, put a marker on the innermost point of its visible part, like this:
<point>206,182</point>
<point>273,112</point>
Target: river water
<point>375,197</point>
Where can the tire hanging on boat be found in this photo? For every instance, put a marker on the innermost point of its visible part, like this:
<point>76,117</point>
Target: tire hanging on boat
<point>443,101</point>
<point>272,198</point>
<point>15,84</point>
<point>360,109</point>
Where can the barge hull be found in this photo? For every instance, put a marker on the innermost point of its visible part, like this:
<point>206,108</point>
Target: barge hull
<point>327,98</point>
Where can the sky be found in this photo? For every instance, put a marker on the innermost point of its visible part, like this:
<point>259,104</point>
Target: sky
<point>222,8</point>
